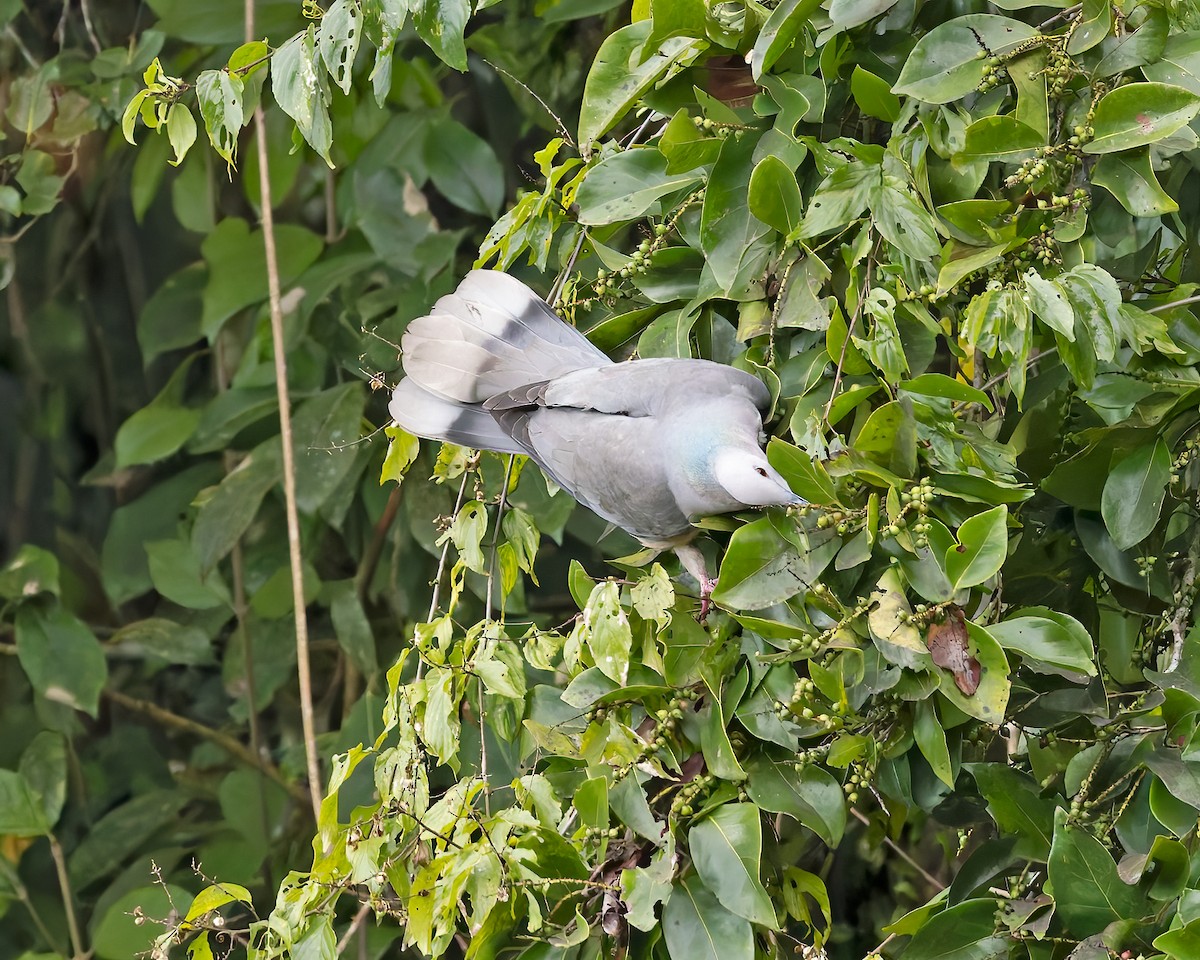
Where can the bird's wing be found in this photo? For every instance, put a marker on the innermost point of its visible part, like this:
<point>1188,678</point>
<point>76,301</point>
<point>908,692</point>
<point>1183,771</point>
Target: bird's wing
<point>639,388</point>
<point>614,465</point>
<point>491,335</point>
<point>429,415</point>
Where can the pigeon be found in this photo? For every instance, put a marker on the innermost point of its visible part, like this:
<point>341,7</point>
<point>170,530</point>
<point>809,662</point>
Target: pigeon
<point>650,445</point>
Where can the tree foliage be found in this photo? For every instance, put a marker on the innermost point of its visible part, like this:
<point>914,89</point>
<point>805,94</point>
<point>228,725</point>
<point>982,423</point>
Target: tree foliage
<point>946,710</point>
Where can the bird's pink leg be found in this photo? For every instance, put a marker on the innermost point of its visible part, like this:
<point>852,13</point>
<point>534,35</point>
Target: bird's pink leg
<point>693,562</point>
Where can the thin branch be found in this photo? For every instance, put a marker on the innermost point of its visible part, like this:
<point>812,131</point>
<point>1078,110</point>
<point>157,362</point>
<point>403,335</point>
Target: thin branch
<point>68,898</point>
<point>562,127</point>
<point>353,928</point>
<point>491,579</point>
<point>902,853</point>
<point>295,552</point>
<point>370,559</point>
<point>14,881</point>
<point>437,584</point>
<point>1186,301</point>
<point>224,741</point>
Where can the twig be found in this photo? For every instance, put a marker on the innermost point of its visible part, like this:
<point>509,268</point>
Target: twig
<point>437,585</point>
<point>295,554</point>
<point>14,881</point>
<point>837,377</point>
<point>487,610</point>
<point>68,899</point>
<point>1173,304</point>
<point>1000,377</point>
<point>224,741</point>
<point>370,559</point>
<point>1179,619</point>
<point>562,127</point>
<point>902,853</point>
<point>353,928</point>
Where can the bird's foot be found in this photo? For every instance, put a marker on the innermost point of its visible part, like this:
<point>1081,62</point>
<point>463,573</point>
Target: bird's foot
<point>707,586</point>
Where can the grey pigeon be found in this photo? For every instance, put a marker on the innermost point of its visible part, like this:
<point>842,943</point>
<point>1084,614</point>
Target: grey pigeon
<point>650,445</point>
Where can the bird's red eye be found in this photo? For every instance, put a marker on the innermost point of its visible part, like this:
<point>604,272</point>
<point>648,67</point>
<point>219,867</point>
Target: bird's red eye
<point>760,471</point>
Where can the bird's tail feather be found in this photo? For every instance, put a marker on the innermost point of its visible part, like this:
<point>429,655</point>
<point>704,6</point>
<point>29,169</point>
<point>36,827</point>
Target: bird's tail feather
<point>493,334</point>
<point>428,415</point>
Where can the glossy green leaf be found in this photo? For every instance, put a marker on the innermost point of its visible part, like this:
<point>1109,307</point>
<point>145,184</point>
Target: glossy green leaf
<point>1140,113</point>
<point>783,26</point>
<point>873,95</point>
<point>966,931</point>
<point>1130,178</point>
<point>626,185</point>
<point>948,62</point>
<point>774,196</point>
<point>622,71</point>
<point>726,849</point>
<point>981,549</point>
<point>1088,893</point>
<point>1055,640</point>
<point>1134,492</point>
<point>697,927</point>
<point>1003,138</point>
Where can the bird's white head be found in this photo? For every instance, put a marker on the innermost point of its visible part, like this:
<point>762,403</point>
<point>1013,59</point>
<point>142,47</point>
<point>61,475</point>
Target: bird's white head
<point>747,477</point>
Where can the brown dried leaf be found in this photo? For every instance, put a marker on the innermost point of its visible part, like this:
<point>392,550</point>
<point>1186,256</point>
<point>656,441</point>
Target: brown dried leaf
<point>947,642</point>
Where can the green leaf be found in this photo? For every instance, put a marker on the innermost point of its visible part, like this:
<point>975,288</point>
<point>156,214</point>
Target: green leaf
<point>220,97</point>
<point>726,850</point>
<point>627,185</point>
<point>760,568</point>
<point>1088,892</point>
<point>840,199</point>
<point>947,64</point>
<point>237,266</point>
<point>1179,63</point>
<point>804,475</point>
<point>181,131</point>
<point>931,739</point>
<point>339,39</point>
<point>874,95</point>
<point>1133,494</point>
<point>1049,304</point>
<point>32,571</point>
<point>1138,114</point>
<point>441,24</point>
<point>177,574</point>
<point>63,660</point>
<point>729,230</point>
<point>301,91</point>
<point>697,927</point>
<point>609,637</point>
<point>464,168</point>
<point>810,795</point>
<point>850,13</point>
<point>325,429</point>
<point>44,769</point>
<point>774,196</point>
<point>1130,178</point>
<point>780,31</point>
<point>351,627</point>
<point>981,549</point>
<point>1053,639</point>
<point>1093,25</point>
<point>966,931</point>
<point>225,514</point>
<point>159,428</point>
<point>622,71</point>
<point>1004,138</point>
<point>402,450</point>
<point>1016,805</point>
<point>903,222</point>
<point>21,814</point>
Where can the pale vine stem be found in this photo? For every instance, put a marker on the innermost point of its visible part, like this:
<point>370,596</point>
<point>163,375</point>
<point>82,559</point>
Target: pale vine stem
<point>303,668</point>
<point>68,898</point>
